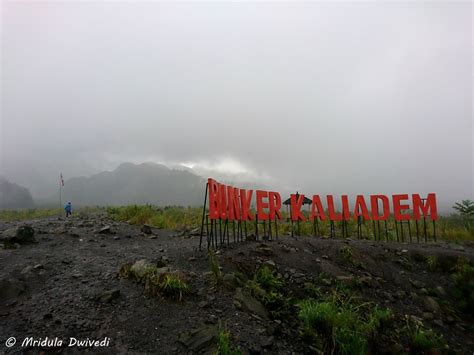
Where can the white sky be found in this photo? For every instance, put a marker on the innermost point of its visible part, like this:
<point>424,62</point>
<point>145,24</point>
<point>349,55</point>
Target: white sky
<point>320,97</point>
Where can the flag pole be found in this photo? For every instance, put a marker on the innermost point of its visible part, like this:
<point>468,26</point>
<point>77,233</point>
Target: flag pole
<point>60,197</point>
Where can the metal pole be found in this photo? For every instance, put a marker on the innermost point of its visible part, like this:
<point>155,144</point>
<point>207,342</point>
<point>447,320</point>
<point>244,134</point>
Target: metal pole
<point>396,230</point>
<point>417,232</point>
<point>60,198</point>
<point>203,216</point>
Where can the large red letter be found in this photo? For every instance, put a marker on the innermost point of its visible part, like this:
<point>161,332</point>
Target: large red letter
<point>398,207</point>
<point>360,208</point>
<point>345,207</point>
<point>274,200</point>
<point>262,215</point>
<point>245,201</point>
<point>317,210</point>
<point>296,207</point>
<point>222,201</point>
<point>333,216</point>
<point>213,199</point>
<point>233,203</point>
<point>374,204</point>
<point>425,208</point>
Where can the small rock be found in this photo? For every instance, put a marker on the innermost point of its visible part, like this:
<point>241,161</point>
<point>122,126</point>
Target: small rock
<point>270,264</point>
<point>326,282</point>
<point>430,305</point>
<point>195,232</point>
<point>400,294</point>
<point>27,271</point>
<point>203,304</point>
<point>417,283</point>
<point>267,342</point>
<point>105,230</point>
<point>440,291</point>
<point>251,238</point>
<point>39,266</point>
<point>230,281</point>
<point>428,315</point>
<point>265,250</point>
<point>366,281</point>
<point>47,316</point>
<point>146,229</point>
<point>109,296</point>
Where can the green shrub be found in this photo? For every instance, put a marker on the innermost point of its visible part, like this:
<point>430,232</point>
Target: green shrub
<point>464,286</point>
<point>317,316</point>
<point>346,253</point>
<point>224,346</point>
<point>266,278</point>
<point>173,285</point>
<point>422,340</point>
<point>214,266</point>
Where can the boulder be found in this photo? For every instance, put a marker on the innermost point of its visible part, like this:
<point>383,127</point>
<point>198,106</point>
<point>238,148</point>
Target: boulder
<point>146,229</point>
<point>230,281</point>
<point>199,339</point>
<point>249,304</point>
<point>22,235</point>
<point>140,268</point>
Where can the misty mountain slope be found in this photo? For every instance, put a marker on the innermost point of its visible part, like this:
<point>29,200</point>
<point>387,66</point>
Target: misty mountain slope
<point>136,184</point>
<point>14,196</point>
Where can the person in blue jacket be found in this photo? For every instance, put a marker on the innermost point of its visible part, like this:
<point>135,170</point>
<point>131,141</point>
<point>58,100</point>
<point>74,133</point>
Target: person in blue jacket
<point>68,209</point>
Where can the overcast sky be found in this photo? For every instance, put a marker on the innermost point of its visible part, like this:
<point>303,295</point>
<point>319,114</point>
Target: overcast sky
<point>320,97</point>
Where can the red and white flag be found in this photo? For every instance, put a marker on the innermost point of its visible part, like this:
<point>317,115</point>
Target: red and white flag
<point>62,180</point>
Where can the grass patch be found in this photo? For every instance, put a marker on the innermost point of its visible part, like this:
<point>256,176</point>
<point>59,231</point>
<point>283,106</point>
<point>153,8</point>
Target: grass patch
<point>267,279</point>
<point>156,280</point>
<point>339,324</point>
<point>267,287</point>
<point>224,346</point>
<point>173,285</point>
<point>214,267</point>
<point>168,217</point>
<point>432,262</point>
<point>422,340</point>
<point>33,213</point>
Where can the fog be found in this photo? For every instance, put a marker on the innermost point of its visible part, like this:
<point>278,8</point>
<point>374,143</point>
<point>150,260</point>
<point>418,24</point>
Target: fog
<point>319,97</point>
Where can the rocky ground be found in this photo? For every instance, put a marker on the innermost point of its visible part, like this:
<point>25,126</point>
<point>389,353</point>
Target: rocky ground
<point>67,284</point>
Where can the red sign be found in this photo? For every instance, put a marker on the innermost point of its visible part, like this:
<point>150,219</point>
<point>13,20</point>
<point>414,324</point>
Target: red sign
<point>233,204</point>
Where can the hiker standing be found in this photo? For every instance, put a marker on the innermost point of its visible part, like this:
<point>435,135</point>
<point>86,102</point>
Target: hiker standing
<point>68,209</point>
